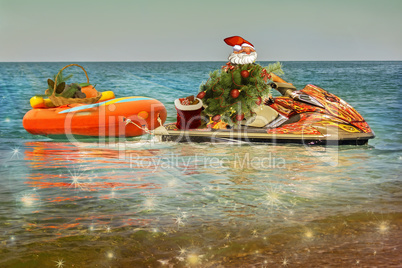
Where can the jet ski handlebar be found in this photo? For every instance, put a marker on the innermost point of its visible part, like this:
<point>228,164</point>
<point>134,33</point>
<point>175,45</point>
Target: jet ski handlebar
<point>284,88</point>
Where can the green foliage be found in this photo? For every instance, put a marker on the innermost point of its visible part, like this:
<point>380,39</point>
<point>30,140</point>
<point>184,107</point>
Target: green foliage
<point>218,99</point>
<point>275,68</point>
<point>70,90</point>
<point>61,83</point>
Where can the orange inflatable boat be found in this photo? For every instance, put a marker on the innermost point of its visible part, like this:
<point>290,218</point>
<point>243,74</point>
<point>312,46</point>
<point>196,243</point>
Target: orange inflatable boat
<point>129,117</point>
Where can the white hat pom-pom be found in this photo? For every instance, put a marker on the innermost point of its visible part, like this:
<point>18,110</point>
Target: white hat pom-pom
<point>236,48</point>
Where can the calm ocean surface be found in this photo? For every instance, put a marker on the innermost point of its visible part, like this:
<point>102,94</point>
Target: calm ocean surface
<point>142,203</point>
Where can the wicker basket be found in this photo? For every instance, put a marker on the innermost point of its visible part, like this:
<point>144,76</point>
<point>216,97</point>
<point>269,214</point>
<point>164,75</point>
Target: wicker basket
<point>58,100</point>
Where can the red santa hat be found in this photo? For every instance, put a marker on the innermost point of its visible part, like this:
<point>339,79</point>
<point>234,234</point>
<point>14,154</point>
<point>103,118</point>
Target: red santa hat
<point>237,42</point>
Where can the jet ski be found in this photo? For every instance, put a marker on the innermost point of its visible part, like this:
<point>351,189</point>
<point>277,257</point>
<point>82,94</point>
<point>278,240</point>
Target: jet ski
<point>310,116</point>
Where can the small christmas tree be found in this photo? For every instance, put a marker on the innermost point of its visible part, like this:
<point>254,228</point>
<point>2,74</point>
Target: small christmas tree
<point>233,92</point>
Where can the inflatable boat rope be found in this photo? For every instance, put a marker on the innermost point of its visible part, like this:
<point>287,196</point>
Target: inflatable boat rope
<point>145,129</point>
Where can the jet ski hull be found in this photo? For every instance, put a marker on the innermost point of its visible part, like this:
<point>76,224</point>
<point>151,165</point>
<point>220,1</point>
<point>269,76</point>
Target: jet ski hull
<point>256,135</point>
<point>309,116</point>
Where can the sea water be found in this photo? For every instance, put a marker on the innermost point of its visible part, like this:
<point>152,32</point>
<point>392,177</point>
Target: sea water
<point>139,202</point>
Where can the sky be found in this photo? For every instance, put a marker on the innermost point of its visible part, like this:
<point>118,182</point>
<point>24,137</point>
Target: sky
<point>177,30</point>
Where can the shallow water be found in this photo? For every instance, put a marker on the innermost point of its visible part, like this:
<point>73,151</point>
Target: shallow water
<point>142,203</point>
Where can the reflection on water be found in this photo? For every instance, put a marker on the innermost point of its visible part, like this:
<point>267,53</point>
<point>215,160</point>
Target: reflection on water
<point>146,203</point>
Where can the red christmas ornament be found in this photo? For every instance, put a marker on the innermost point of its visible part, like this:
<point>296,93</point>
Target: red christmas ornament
<point>244,73</point>
<point>239,117</point>
<point>216,118</point>
<point>234,93</point>
<point>258,101</point>
<point>201,95</point>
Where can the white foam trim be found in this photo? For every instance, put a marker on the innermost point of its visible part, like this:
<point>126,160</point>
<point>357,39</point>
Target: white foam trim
<point>247,45</point>
<point>188,107</point>
<point>236,48</point>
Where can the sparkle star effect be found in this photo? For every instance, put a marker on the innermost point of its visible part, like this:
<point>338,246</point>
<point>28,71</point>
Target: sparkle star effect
<point>285,262</point>
<point>179,221</point>
<point>182,251</point>
<point>254,233</point>
<point>308,234</point>
<point>184,215</point>
<point>76,182</point>
<point>149,203</point>
<point>383,227</point>
<point>59,263</point>
<point>272,198</point>
<point>15,153</point>
<point>29,200</point>
<point>227,237</point>
<point>76,177</point>
<point>110,255</point>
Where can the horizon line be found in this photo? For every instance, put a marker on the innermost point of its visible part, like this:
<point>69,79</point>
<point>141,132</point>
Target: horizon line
<point>191,61</point>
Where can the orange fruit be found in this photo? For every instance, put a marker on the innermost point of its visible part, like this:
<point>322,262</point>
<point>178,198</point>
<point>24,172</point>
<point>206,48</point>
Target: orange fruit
<point>89,91</point>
